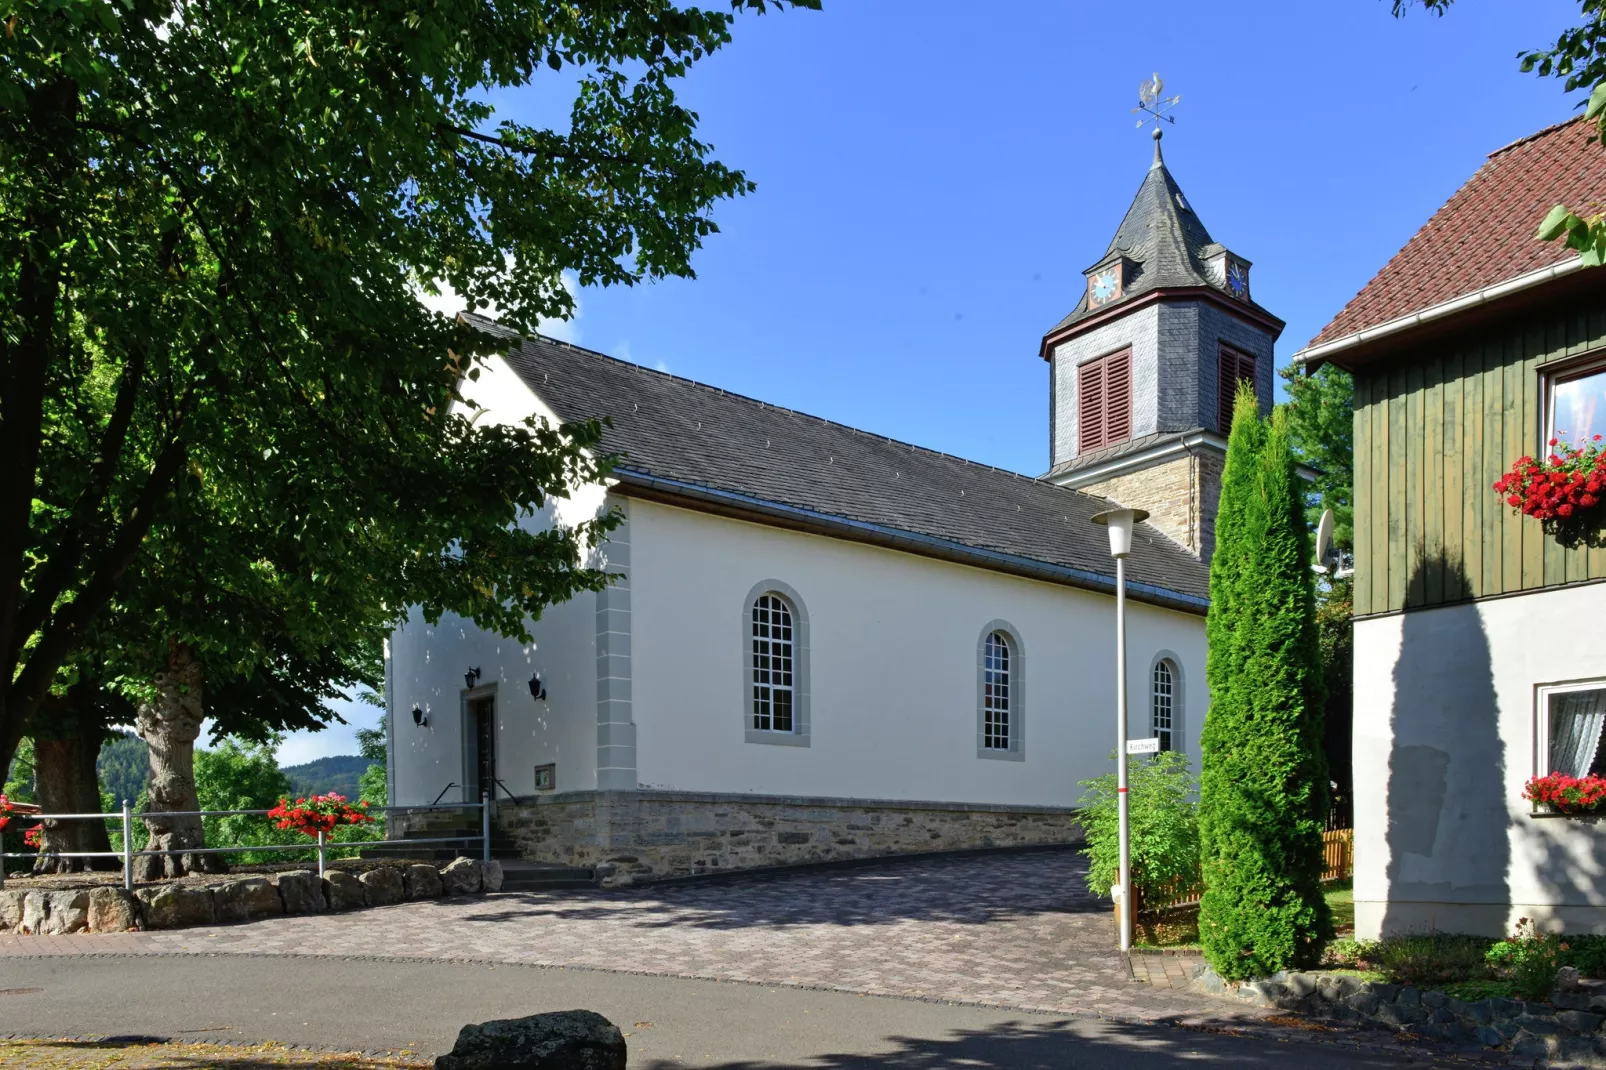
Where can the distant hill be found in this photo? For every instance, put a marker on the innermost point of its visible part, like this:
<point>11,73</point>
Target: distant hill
<point>338,772</point>
<point>124,766</point>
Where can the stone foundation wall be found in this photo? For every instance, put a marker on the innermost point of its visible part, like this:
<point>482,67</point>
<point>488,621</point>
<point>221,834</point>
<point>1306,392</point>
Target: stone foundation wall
<point>1180,495</point>
<point>640,835</point>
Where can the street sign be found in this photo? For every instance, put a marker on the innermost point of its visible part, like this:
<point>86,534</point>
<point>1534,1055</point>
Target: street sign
<point>1143,746</point>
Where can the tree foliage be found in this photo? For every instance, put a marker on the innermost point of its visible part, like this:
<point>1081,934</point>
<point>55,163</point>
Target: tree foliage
<point>1164,826</point>
<point>1263,780</point>
<point>1321,422</point>
<point>221,401</point>
<point>1578,58</point>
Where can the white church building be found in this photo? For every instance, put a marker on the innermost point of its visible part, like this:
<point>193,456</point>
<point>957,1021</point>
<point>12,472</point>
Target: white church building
<point>822,643</point>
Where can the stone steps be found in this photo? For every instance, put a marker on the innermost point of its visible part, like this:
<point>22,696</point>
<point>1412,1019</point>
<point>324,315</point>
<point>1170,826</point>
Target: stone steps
<point>544,876</point>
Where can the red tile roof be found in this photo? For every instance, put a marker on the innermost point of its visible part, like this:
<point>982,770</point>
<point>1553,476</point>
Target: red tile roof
<point>1485,233</point>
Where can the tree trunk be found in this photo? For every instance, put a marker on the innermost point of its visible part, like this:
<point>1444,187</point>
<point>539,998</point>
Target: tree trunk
<point>169,726</point>
<point>65,773</point>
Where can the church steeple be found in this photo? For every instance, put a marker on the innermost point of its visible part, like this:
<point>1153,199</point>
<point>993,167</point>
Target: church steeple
<point>1144,367</point>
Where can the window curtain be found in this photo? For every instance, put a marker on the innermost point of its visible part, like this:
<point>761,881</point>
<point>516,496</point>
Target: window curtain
<point>1576,720</point>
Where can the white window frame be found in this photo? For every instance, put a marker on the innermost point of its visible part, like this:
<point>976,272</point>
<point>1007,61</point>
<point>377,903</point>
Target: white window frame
<point>1594,364</point>
<point>1168,734</point>
<point>799,735</point>
<point>1016,711</point>
<point>1543,695</point>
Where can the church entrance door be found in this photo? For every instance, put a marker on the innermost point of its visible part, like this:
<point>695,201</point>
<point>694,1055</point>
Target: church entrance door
<point>479,761</point>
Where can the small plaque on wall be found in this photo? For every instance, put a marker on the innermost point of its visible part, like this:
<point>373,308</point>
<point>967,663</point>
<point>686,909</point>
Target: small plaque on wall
<point>546,776</point>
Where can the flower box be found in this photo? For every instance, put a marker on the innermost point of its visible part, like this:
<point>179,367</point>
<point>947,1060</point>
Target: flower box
<point>320,813</point>
<point>1566,483</point>
<point>1561,795</point>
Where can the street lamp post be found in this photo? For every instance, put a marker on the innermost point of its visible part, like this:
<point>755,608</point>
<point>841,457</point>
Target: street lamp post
<point>1120,522</point>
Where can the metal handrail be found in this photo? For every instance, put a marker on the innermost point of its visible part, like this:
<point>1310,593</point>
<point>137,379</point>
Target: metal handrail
<point>498,782</point>
<point>449,787</point>
<point>128,854</point>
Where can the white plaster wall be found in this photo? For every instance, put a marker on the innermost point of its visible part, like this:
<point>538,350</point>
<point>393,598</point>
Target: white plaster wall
<point>427,663</point>
<point>1446,710</point>
<point>893,668</point>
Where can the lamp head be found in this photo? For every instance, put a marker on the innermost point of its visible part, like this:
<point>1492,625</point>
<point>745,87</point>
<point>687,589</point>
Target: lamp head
<point>1120,522</point>
<point>418,717</point>
<point>469,678</point>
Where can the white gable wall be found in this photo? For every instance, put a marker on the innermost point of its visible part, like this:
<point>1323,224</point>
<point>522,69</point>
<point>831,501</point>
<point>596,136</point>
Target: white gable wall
<point>892,664</point>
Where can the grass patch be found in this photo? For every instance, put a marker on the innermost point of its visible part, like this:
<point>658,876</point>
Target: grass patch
<point>1472,991</point>
<point>138,1055</point>
<point>1340,897</point>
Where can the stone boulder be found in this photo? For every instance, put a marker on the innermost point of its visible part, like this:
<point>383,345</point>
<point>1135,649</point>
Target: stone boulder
<point>563,1040</point>
<point>421,881</point>
<point>383,885</point>
<point>344,891</point>
<point>35,912</point>
<point>491,876</point>
<point>461,877</point>
<point>302,892</point>
<point>69,911</point>
<point>176,906</point>
<point>112,910</point>
<point>11,907</point>
<point>247,898</point>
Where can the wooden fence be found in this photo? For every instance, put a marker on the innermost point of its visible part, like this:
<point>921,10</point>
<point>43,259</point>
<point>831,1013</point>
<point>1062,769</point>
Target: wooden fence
<point>1338,862</point>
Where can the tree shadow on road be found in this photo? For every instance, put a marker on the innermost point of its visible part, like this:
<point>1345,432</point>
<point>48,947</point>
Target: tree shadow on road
<point>972,890</point>
<point>1070,1044</point>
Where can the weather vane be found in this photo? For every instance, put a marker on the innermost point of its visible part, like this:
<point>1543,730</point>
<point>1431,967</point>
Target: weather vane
<point>1153,106</point>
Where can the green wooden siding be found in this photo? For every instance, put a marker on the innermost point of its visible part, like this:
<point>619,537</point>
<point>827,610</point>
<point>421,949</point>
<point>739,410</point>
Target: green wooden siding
<point>1432,434</point>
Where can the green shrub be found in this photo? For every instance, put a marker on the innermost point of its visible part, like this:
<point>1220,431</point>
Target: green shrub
<point>1428,960</point>
<point>1472,991</point>
<point>1165,827</point>
<point>1263,778</point>
<point>1529,960</point>
<point>1586,954</point>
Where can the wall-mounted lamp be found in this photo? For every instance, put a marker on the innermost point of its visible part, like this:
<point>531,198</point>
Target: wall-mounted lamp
<point>420,718</point>
<point>537,689</point>
<point>469,678</point>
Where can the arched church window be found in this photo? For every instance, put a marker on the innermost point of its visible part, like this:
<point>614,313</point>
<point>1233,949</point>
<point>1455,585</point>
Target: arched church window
<point>774,664</point>
<point>1162,703</point>
<point>995,692</point>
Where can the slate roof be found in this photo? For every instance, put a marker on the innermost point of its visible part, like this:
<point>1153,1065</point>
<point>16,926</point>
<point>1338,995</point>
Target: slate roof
<point>1120,449</point>
<point>675,429</point>
<point>1484,234</point>
<point>1165,237</point>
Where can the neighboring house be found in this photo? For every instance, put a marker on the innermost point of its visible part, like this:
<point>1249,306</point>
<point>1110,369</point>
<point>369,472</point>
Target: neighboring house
<point>825,643</point>
<point>1478,663</point>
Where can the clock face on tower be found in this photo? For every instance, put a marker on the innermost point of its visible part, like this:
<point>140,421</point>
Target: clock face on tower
<point>1103,287</point>
<point>1238,280</point>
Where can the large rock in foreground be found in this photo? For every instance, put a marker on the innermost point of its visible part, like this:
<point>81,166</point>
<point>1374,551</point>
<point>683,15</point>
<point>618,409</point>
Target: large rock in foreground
<point>242,900</point>
<point>461,877</point>
<point>176,906</point>
<point>382,886</point>
<point>112,910</point>
<point>563,1040</point>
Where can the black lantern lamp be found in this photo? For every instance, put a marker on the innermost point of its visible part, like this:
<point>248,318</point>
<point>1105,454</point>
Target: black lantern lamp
<point>537,689</point>
<point>469,678</point>
<point>420,718</point>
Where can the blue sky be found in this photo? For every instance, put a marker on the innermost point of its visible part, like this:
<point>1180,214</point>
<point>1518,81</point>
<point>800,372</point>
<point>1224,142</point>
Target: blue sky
<point>933,177</point>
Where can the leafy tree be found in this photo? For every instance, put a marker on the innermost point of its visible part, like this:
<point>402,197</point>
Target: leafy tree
<point>1263,781</point>
<point>1578,58</point>
<point>215,219</point>
<point>237,775</point>
<point>374,785</point>
<point>1321,420</point>
<point>1164,827</point>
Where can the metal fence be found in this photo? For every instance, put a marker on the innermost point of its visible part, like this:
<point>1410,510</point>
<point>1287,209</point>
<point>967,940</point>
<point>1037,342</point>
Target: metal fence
<point>128,854</point>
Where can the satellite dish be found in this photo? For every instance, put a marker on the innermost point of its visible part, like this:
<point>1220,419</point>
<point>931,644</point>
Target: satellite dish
<point>1324,540</point>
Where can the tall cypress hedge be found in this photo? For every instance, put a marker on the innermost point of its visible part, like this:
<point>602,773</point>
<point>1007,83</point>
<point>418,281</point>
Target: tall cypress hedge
<point>1263,776</point>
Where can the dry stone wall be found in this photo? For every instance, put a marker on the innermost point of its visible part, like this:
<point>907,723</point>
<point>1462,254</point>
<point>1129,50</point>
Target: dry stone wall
<point>180,906</point>
<point>628,836</point>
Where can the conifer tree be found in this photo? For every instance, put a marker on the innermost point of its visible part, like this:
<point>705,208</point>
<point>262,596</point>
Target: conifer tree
<point>1263,777</point>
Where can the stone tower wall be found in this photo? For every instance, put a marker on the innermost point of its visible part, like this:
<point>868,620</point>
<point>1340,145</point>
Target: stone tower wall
<point>1181,496</point>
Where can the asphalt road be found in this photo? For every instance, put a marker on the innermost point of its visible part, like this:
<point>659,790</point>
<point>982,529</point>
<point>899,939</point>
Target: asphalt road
<point>670,1022</point>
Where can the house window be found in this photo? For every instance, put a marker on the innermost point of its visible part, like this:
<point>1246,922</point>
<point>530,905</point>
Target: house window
<point>1000,688</point>
<point>1104,401</point>
<point>1577,406</point>
<point>995,692</point>
<point>774,664</point>
<point>1161,703</point>
<point>1233,368</point>
<point>1571,719</point>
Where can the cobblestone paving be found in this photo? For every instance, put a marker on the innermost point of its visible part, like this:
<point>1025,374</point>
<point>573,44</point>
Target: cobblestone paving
<point>1010,930</point>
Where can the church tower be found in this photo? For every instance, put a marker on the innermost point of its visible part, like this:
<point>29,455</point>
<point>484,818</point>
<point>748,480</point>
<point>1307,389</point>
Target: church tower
<point>1143,371</point>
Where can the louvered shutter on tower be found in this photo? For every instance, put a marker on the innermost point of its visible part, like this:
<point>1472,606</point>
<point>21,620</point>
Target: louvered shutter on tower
<point>1104,401</point>
<point>1235,367</point>
<point>1090,406</point>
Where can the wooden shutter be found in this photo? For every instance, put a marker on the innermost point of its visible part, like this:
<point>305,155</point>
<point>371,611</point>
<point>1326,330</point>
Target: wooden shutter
<point>1118,397</point>
<point>1090,406</point>
<point>1234,368</point>
<point>1104,401</point>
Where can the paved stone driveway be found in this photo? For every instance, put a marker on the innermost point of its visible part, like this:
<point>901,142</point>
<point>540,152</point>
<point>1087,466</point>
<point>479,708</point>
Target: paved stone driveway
<point>1017,930</point>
